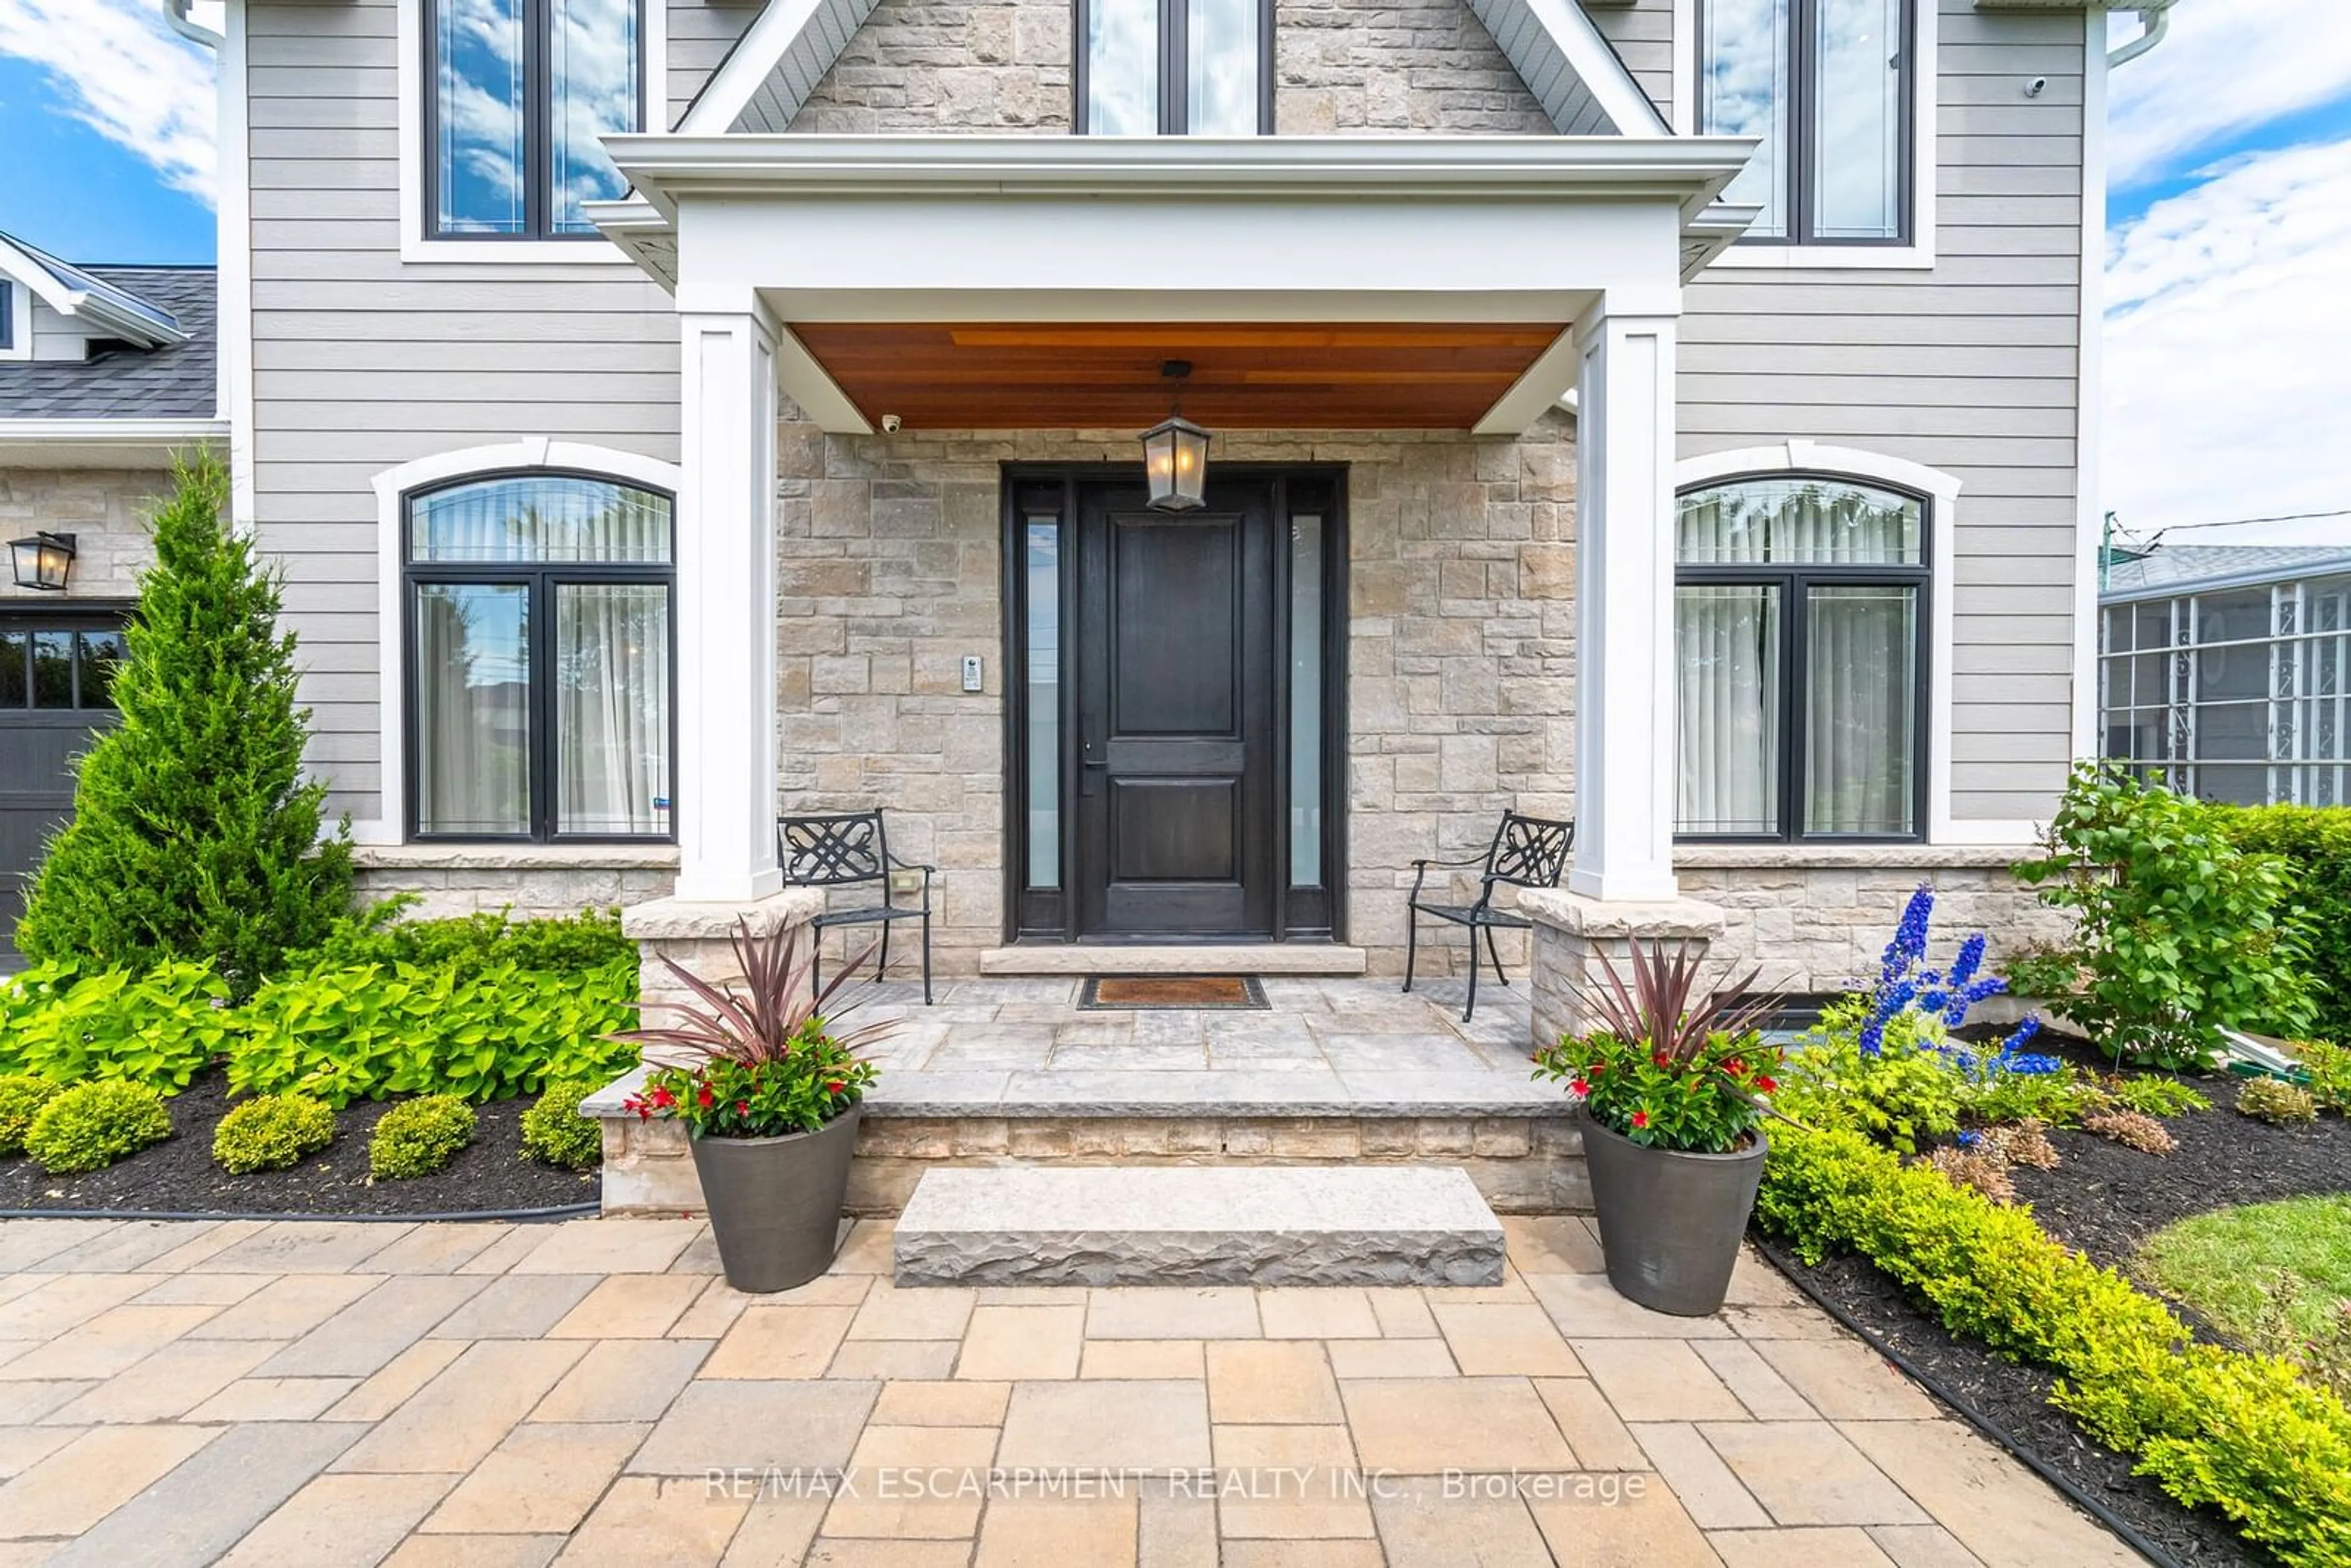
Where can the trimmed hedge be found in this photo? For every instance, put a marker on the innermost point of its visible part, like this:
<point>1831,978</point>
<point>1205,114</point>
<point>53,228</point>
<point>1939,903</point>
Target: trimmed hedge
<point>21,1098</point>
<point>90,1126</point>
<point>418,1137</point>
<point>2244,1433</point>
<point>272,1132</point>
<point>554,1132</point>
<point>2317,840</point>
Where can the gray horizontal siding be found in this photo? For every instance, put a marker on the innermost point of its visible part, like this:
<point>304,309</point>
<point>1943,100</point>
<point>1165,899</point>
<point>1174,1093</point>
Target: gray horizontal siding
<point>1972,369</point>
<point>362,361</point>
<point>701,33</point>
<point>1642,33</point>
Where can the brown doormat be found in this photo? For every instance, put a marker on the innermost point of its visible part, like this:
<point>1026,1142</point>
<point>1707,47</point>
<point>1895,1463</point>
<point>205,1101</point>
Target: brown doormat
<point>1171,991</point>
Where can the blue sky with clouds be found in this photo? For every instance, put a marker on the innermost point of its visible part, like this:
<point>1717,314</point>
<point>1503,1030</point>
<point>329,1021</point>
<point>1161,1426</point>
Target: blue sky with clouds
<point>2228,333</point>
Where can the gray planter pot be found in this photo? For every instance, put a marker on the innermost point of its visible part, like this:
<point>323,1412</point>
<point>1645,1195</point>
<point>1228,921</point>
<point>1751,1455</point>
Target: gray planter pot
<point>775,1203</point>
<point>1670,1223</point>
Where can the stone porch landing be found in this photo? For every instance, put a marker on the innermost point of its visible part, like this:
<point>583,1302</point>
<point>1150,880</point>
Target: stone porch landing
<point>1006,1071</point>
<point>343,1395</point>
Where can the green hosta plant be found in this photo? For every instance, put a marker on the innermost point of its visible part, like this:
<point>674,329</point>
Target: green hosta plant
<point>2182,934</point>
<point>767,1060</point>
<point>161,1027</point>
<point>1669,1068</point>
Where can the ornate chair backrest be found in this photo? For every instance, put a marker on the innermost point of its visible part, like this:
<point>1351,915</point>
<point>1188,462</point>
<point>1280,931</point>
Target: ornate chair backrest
<point>1529,852</point>
<point>832,851</point>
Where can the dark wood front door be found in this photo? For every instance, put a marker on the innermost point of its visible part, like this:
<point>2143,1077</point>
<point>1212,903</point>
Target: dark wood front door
<point>1175,642</point>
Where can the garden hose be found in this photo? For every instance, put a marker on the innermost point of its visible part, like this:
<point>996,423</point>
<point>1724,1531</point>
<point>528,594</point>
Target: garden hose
<point>2064,1484</point>
<point>511,1216</point>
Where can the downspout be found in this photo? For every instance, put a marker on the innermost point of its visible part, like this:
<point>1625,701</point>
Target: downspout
<point>2154,22</point>
<point>175,15</point>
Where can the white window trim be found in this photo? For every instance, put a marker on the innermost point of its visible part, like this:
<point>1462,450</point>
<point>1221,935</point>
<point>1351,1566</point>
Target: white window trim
<point>20,306</point>
<point>415,246</point>
<point>1918,256</point>
<point>1942,491</point>
<point>392,489</point>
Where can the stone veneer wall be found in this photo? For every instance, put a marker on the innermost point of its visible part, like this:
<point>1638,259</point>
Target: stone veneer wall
<point>1341,66</point>
<point>527,880</point>
<point>1461,571</point>
<point>106,511</point>
<point>1824,927</point>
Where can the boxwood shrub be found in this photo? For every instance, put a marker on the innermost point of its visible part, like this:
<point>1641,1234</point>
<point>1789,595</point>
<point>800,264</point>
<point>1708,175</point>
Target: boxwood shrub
<point>2243,1434</point>
<point>90,1126</point>
<point>21,1098</point>
<point>272,1132</point>
<point>418,1137</point>
<point>554,1132</point>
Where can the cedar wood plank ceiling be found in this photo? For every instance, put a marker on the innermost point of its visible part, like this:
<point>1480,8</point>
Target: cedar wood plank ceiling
<point>1245,376</point>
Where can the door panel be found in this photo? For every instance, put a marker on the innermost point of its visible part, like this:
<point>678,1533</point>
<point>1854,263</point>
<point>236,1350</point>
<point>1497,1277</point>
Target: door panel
<point>1176,670</point>
<point>56,671</point>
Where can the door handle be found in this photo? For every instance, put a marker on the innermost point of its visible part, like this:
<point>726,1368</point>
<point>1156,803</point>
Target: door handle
<point>1090,761</point>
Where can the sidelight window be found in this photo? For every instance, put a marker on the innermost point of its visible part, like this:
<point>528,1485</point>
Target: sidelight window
<point>1174,67</point>
<point>1827,85</point>
<point>1799,616</point>
<point>539,656</point>
<point>521,91</point>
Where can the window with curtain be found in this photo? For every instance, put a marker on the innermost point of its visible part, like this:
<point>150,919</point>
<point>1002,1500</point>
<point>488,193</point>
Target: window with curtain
<point>1799,620</point>
<point>539,686</point>
<point>1826,84</point>
<point>521,90</point>
<point>1174,67</point>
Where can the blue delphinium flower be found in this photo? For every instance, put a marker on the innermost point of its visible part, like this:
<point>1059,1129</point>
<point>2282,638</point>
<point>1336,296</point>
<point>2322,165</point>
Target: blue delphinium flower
<point>1904,981</point>
<point>1909,948</point>
<point>1968,1139</point>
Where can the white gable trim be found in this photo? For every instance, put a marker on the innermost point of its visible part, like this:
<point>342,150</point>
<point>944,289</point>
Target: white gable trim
<point>1557,52</point>
<point>1942,490</point>
<point>392,488</point>
<point>113,309</point>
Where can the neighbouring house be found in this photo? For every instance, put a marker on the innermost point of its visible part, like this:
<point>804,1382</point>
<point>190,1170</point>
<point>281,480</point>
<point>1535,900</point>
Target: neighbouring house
<point>2229,668</point>
<point>106,373</point>
<point>1671,414</point>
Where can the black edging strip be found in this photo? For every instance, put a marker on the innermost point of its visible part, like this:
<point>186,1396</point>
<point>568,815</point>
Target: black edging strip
<point>516,1216</point>
<point>1981,1422</point>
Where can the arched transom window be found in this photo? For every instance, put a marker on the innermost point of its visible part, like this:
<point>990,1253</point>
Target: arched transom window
<point>1800,618</point>
<point>540,657</point>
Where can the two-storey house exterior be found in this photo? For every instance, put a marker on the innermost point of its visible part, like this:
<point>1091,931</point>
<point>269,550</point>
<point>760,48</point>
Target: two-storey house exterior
<point>1675,415</point>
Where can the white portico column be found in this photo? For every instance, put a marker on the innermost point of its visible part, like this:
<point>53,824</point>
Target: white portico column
<point>1625,782</point>
<point>725,776</point>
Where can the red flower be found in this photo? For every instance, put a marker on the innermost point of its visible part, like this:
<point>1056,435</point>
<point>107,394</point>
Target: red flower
<point>742,1107</point>
<point>1595,1070</point>
<point>1765,1082</point>
<point>1580,1086</point>
<point>704,1097</point>
<point>1659,1059</point>
<point>665,1098</point>
<point>1640,1118</point>
<point>835,1087</point>
<point>1735,1066</point>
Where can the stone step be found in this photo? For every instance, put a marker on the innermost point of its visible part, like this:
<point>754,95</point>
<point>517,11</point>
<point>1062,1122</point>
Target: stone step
<point>1203,959</point>
<point>1198,1225</point>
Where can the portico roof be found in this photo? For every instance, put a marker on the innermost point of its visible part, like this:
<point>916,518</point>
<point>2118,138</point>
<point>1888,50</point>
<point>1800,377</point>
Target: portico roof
<point>1480,233</point>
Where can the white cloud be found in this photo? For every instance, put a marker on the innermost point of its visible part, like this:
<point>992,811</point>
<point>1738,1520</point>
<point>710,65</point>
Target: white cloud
<point>2227,67</point>
<point>127,75</point>
<point>2229,351</point>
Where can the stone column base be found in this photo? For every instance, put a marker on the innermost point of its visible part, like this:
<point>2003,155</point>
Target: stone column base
<point>1574,934</point>
<point>699,938</point>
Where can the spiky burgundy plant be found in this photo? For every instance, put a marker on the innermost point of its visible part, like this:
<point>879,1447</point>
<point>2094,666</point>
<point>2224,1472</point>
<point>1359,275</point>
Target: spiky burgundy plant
<point>1658,1007</point>
<point>769,1061</point>
<point>777,1009</point>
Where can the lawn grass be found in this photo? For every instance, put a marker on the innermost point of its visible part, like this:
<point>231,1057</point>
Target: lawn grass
<point>2226,1264</point>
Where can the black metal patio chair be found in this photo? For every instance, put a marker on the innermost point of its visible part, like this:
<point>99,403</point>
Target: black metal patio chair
<point>849,849</point>
<point>1527,851</point>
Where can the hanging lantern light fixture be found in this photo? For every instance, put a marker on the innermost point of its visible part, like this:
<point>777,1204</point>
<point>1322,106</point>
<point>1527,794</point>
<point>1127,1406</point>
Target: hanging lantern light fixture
<point>1176,452</point>
<point>44,562</point>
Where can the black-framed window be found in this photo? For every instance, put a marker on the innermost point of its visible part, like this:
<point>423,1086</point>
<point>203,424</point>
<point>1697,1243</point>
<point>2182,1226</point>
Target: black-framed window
<point>520,90</point>
<point>1828,86</point>
<point>541,646</point>
<point>1800,629</point>
<point>1174,67</point>
<point>60,663</point>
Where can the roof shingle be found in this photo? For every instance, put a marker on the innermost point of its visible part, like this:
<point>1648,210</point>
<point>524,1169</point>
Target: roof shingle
<point>171,383</point>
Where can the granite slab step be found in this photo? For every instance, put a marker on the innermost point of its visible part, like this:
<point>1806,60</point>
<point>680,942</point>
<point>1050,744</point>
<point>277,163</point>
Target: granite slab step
<point>1198,1225</point>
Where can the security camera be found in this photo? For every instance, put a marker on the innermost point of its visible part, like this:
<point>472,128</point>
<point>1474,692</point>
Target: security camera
<point>889,424</point>
<point>2037,86</point>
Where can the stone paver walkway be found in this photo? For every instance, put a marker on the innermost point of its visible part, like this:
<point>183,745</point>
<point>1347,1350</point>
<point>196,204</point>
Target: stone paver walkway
<point>591,1393</point>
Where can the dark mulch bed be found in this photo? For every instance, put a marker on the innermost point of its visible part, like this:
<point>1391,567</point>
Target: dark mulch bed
<point>177,1176</point>
<point>2105,1199</point>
